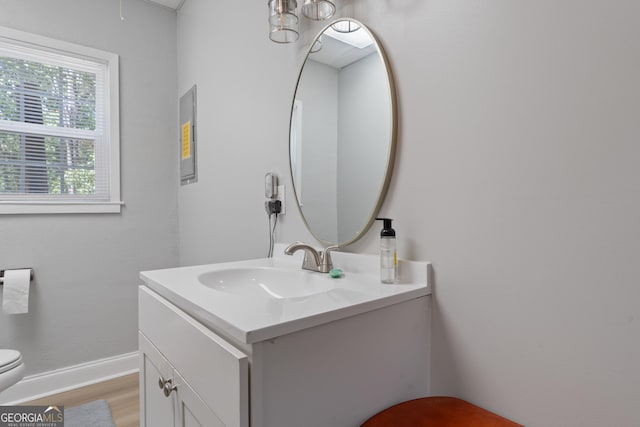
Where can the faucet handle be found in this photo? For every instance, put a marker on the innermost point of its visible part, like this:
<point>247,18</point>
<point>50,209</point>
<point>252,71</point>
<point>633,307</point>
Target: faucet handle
<point>327,263</point>
<point>329,249</point>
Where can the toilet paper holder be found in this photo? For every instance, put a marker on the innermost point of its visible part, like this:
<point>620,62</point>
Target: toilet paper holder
<point>2,274</point>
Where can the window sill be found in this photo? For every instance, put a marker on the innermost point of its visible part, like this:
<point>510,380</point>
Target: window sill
<point>45,207</point>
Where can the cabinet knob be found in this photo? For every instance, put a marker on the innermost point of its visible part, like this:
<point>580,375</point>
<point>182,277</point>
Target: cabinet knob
<point>168,388</point>
<point>161,382</point>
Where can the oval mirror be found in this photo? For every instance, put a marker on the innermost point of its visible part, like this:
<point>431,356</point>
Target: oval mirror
<point>342,133</point>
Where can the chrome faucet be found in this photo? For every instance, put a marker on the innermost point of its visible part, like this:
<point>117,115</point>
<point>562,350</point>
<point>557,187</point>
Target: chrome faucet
<point>314,260</point>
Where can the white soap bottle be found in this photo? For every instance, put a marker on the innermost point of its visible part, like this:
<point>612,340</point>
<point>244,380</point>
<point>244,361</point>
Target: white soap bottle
<point>388,257</point>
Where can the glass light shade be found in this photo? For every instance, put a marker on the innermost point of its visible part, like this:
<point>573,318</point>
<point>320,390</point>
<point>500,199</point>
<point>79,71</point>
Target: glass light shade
<point>345,26</point>
<point>283,21</point>
<point>283,34</point>
<point>317,45</point>
<point>318,10</point>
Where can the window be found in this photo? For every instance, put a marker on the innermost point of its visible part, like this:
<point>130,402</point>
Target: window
<point>59,126</point>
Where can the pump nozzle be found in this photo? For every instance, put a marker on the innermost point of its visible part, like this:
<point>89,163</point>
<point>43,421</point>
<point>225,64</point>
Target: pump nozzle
<point>387,231</point>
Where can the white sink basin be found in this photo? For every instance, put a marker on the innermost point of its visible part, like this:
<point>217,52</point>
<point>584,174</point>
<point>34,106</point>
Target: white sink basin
<point>260,299</point>
<point>267,282</point>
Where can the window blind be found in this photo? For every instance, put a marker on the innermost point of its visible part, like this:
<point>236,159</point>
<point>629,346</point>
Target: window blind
<point>53,122</point>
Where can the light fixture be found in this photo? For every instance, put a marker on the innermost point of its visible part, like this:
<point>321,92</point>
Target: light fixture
<point>283,21</point>
<point>316,46</point>
<point>357,39</point>
<point>318,10</point>
<point>345,26</point>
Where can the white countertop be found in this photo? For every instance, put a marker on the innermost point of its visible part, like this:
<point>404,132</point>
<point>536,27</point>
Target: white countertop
<point>250,320</point>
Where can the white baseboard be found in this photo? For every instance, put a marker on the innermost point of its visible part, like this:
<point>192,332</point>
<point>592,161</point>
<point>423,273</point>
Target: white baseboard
<point>69,378</point>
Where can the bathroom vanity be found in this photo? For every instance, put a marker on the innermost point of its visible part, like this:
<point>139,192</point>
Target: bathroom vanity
<point>263,343</point>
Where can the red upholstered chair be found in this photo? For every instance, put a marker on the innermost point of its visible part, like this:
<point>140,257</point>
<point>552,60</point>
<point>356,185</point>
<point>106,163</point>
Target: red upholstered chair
<point>437,412</point>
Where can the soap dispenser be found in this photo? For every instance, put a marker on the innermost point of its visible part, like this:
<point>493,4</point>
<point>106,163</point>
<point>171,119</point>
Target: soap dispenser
<point>388,258</point>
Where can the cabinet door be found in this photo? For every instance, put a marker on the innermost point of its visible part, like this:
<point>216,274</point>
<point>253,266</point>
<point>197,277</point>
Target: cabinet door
<point>156,410</point>
<point>213,367</point>
<point>192,411</point>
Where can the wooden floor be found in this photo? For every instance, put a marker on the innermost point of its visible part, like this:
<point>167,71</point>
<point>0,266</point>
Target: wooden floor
<point>121,393</point>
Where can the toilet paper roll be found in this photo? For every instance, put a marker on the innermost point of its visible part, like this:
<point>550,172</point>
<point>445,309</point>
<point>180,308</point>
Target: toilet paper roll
<point>15,291</point>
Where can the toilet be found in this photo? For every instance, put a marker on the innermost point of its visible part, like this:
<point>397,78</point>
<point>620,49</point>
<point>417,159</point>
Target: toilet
<point>11,368</point>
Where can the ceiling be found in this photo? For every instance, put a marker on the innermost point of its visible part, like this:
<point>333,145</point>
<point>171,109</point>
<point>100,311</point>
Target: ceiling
<point>173,4</point>
<point>339,54</point>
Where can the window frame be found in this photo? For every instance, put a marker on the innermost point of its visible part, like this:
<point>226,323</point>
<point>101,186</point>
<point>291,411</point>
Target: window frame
<point>65,203</point>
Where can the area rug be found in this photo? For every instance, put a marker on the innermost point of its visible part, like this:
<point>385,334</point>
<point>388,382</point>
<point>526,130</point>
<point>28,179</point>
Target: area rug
<point>92,414</point>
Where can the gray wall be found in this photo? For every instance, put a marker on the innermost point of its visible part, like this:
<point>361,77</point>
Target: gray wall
<point>516,174</point>
<point>245,90</point>
<point>83,303</point>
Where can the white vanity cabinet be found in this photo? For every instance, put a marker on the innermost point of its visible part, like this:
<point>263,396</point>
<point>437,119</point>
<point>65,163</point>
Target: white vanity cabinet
<point>335,373</point>
<point>204,379</point>
<point>168,399</point>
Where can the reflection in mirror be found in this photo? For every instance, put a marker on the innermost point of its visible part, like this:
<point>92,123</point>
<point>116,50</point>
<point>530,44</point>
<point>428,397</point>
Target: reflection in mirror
<point>342,135</point>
